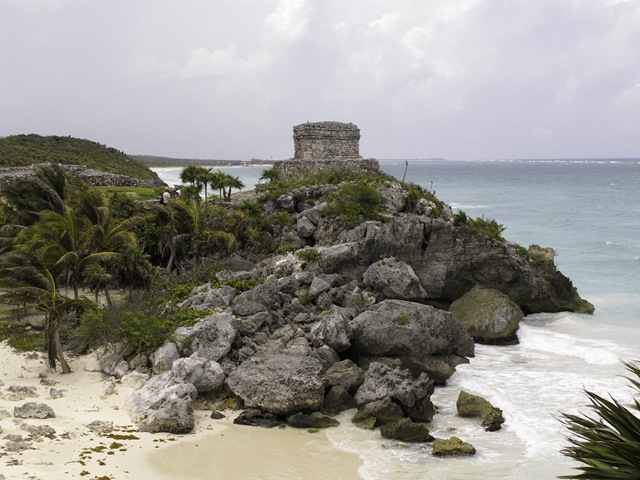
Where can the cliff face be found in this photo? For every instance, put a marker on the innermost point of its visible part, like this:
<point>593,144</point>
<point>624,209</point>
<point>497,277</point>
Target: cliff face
<point>448,259</point>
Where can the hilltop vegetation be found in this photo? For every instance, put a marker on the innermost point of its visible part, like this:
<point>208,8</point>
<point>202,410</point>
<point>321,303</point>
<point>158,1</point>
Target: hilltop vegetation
<point>25,150</point>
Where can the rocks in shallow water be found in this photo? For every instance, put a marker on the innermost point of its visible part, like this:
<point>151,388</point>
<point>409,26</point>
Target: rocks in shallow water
<point>406,430</point>
<point>33,410</point>
<point>381,411</point>
<point>489,315</point>
<point>279,383</point>
<point>313,420</point>
<point>257,418</point>
<point>163,405</point>
<point>384,382</point>
<point>469,405</point>
<point>452,447</point>
<point>337,400</point>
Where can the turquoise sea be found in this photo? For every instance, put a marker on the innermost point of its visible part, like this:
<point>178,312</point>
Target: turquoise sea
<point>589,212</point>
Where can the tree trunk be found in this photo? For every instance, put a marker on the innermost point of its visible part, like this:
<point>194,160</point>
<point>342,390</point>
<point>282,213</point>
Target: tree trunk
<point>54,346</point>
<point>107,295</point>
<point>50,346</point>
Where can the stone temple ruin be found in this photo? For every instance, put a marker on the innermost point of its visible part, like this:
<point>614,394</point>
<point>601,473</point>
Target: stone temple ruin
<point>326,146</point>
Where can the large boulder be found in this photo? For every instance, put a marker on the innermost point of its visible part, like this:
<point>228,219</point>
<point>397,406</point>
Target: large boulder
<point>391,278</point>
<point>162,359</point>
<point>345,374</point>
<point>163,404</point>
<point>469,405</point>
<point>211,337</point>
<point>489,315</point>
<point>279,383</point>
<point>412,394</point>
<point>406,430</point>
<point>331,330</point>
<point>204,374</point>
<point>402,328</point>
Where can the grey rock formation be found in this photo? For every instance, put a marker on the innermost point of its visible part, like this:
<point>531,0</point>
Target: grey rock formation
<point>33,410</point>
<point>163,404</point>
<point>401,328</point>
<point>489,315</point>
<point>312,420</point>
<point>280,384</point>
<point>394,279</point>
<point>162,359</point>
<point>332,330</point>
<point>345,374</point>
<point>211,337</point>
<point>382,382</point>
<point>378,413</point>
<point>406,430</point>
<point>204,374</point>
<point>205,298</point>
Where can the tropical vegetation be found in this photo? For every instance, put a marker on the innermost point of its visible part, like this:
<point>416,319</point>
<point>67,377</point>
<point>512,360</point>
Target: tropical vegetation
<point>607,443</point>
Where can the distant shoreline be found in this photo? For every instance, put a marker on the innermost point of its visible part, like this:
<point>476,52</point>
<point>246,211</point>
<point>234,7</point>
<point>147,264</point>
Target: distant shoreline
<point>156,161</point>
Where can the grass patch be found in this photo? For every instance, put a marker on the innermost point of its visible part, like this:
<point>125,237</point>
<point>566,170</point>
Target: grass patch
<point>136,193</point>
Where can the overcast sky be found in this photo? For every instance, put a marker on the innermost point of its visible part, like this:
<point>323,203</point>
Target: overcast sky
<point>228,79</point>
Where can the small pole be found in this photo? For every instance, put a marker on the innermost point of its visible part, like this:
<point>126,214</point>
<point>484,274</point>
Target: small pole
<point>406,165</point>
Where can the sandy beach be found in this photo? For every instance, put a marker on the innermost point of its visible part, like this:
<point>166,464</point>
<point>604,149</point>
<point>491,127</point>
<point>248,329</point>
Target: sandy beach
<point>75,447</point>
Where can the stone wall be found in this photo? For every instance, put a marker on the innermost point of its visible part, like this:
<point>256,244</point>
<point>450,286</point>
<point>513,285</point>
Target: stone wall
<point>326,141</point>
<point>303,167</point>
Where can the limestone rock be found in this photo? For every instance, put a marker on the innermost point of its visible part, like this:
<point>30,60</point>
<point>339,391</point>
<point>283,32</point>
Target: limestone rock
<point>469,405</point>
<point>402,328</point>
<point>382,411</point>
<point>337,400</point>
<point>205,298</point>
<point>280,384</point>
<point>413,395</point>
<point>163,405</point>
<point>332,330</point>
<point>211,337</point>
<point>206,375</point>
<point>313,420</point>
<point>257,418</point>
<point>100,426</point>
<point>489,315</point>
<point>345,374</point>
<point>406,430</point>
<point>111,359</point>
<point>394,279</point>
<point>33,410</point>
<point>135,380</point>
<point>452,447</point>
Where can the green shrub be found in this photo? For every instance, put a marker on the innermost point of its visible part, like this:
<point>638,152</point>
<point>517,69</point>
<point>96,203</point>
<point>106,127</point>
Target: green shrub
<point>354,203</point>
<point>305,298</point>
<point>282,219</point>
<point>402,319</point>
<point>308,255</point>
<point>287,247</point>
<point>490,228</point>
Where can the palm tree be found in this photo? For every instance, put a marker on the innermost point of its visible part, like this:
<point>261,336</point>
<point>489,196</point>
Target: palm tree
<point>27,282</point>
<point>608,445</point>
<point>177,222</point>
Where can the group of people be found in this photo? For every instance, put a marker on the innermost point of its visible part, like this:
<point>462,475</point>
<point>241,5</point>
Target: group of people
<point>166,196</point>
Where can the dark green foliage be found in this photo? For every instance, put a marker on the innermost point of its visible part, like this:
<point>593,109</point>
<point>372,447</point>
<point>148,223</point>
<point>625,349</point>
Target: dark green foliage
<point>308,255</point>
<point>24,150</point>
<point>354,203</point>
<point>608,443</point>
<point>490,228</point>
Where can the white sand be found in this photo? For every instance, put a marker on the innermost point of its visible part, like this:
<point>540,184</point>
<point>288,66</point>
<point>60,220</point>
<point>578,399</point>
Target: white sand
<point>216,449</point>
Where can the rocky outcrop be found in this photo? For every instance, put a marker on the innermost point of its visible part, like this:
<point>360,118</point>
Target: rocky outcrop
<point>163,404</point>
<point>489,315</point>
<point>281,384</point>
